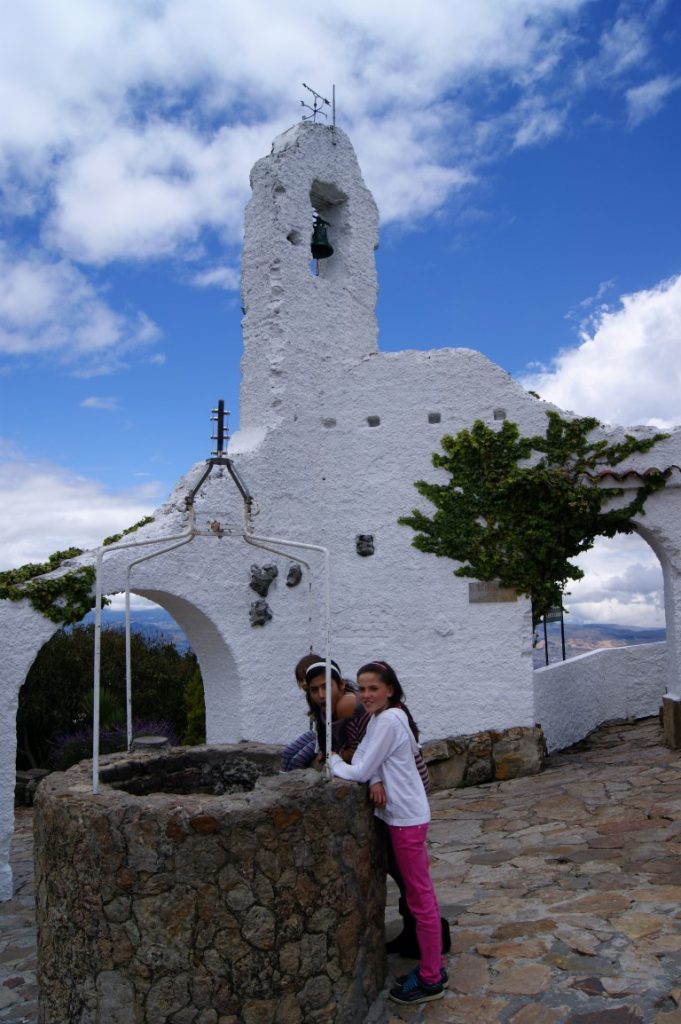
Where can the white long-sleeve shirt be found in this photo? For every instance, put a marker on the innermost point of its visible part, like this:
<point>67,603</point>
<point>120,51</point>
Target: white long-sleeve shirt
<point>387,753</point>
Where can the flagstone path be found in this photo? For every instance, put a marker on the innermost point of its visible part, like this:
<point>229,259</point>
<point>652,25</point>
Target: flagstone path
<point>563,890</point>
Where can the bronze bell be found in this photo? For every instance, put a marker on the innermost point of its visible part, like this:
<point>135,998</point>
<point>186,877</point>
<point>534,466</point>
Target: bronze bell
<point>321,249</point>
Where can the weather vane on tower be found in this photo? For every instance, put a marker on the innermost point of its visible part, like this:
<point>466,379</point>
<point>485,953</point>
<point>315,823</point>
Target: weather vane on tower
<point>317,106</point>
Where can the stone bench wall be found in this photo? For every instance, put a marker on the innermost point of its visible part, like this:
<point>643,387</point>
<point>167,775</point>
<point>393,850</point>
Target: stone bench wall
<point>257,907</point>
<point>484,757</point>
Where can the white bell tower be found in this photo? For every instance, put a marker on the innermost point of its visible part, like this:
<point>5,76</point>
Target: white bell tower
<point>304,319</point>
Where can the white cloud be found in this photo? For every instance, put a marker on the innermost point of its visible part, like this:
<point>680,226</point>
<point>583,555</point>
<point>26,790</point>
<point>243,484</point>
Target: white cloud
<point>627,368</point>
<point>537,123</point>
<point>49,308</point>
<point>93,402</point>
<point>624,45</point>
<point>147,190</point>
<point>132,127</point>
<point>137,604</point>
<point>644,101</point>
<point>218,277</point>
<point>623,584</point>
<point>45,508</point>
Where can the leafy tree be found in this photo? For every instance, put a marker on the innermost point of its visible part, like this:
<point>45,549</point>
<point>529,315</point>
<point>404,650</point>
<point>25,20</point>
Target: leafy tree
<point>517,509</point>
<point>195,711</point>
<point>56,698</point>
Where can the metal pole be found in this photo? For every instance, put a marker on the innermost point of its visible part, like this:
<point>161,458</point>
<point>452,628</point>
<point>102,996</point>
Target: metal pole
<point>285,542</point>
<point>128,659</point>
<point>562,632</point>
<point>128,665</point>
<point>101,552</point>
<point>546,643</point>
<point>97,673</point>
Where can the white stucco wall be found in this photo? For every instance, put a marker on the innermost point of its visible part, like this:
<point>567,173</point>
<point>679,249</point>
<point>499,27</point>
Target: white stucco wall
<point>321,474</point>
<point>23,633</point>
<point>573,697</point>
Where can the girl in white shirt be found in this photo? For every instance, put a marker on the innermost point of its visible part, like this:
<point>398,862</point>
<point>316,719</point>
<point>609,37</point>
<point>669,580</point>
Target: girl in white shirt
<point>386,755</point>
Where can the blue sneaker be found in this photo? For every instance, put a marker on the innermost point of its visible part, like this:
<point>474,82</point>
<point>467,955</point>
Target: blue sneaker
<point>414,990</point>
<point>444,977</point>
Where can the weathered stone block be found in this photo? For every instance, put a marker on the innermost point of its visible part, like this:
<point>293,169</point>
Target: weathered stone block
<point>472,760</point>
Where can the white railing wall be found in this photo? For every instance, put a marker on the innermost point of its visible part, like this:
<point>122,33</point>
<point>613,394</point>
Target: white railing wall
<point>573,697</point>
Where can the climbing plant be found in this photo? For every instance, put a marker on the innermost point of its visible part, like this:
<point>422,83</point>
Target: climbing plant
<point>115,537</point>
<point>65,598</point>
<point>517,509</point>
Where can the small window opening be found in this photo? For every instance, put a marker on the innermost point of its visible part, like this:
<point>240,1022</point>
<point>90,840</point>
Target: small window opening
<point>499,414</point>
<point>374,421</point>
<point>434,417</point>
<point>329,421</point>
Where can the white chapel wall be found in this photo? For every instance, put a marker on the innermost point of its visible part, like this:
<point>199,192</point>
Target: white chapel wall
<point>333,436</point>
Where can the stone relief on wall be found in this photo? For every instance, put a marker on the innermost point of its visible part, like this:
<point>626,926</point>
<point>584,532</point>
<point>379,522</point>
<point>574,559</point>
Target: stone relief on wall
<point>259,613</point>
<point>364,543</point>
<point>261,578</point>
<point>294,575</point>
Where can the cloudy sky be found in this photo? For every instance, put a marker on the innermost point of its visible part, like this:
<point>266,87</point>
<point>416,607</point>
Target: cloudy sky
<point>524,155</point>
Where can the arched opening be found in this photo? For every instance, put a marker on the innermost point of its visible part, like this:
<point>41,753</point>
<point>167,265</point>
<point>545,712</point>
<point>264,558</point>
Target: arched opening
<point>619,601</point>
<point>55,706</point>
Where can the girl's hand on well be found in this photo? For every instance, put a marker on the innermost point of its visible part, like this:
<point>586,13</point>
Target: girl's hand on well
<point>377,794</point>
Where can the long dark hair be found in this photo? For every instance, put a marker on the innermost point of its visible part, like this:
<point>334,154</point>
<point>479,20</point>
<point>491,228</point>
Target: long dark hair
<point>387,673</point>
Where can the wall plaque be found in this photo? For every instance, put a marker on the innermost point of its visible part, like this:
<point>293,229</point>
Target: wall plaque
<point>484,593</point>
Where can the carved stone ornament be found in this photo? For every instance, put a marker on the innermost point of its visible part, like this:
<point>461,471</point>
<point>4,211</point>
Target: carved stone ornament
<point>259,613</point>
<point>261,578</point>
<point>294,575</point>
<point>364,543</point>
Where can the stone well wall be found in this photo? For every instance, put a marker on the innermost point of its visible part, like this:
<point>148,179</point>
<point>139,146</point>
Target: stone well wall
<point>191,902</point>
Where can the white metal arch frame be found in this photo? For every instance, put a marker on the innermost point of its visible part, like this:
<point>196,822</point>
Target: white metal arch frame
<point>172,542</point>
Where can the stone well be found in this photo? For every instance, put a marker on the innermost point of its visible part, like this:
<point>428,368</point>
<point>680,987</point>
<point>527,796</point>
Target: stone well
<point>202,887</point>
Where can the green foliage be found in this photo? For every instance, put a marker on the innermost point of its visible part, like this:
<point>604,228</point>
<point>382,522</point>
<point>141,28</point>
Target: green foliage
<point>195,711</point>
<point>64,599</point>
<point>115,537</point>
<point>511,516</point>
<point>56,697</point>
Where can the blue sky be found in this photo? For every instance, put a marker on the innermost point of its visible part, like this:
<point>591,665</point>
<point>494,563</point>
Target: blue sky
<point>524,155</point>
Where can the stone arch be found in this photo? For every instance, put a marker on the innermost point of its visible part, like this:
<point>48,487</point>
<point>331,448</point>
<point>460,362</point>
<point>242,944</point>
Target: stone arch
<point>24,631</point>
<point>219,670</point>
<point>666,548</point>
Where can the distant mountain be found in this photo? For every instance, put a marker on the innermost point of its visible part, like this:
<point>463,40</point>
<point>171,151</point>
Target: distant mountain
<point>579,637</point>
<point>590,636</point>
<point>154,623</point>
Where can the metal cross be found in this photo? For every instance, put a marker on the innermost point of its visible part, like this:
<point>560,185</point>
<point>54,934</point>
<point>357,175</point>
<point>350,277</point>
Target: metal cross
<point>219,416</point>
<point>316,108</point>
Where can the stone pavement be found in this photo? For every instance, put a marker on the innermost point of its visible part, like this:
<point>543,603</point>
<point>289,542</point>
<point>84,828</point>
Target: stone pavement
<point>563,889</point>
<point>18,989</point>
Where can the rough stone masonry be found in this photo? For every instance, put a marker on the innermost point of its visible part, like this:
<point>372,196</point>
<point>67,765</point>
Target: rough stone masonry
<point>230,897</point>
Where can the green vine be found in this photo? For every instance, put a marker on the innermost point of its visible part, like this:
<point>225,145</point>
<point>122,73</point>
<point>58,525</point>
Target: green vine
<point>521,524</point>
<point>64,599</point>
<point>115,537</point>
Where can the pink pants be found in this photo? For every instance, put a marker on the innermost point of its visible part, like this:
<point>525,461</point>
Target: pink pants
<point>409,848</point>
